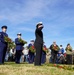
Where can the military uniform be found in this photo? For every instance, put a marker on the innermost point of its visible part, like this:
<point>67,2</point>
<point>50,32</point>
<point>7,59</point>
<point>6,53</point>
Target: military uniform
<point>38,44</point>
<point>31,55</point>
<point>19,48</point>
<point>3,46</point>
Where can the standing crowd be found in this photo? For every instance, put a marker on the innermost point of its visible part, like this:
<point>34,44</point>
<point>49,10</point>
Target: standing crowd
<point>35,52</point>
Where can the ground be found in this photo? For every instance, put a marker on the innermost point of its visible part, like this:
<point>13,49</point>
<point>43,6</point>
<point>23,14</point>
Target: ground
<point>10,68</point>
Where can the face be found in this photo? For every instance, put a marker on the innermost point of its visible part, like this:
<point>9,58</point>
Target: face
<point>12,47</point>
<point>40,27</point>
<point>18,36</point>
<point>60,47</point>
<point>32,43</point>
<point>68,45</point>
<point>4,29</point>
<point>54,43</point>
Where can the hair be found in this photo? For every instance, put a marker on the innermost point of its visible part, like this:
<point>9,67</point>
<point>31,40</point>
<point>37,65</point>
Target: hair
<point>68,44</point>
<point>60,45</point>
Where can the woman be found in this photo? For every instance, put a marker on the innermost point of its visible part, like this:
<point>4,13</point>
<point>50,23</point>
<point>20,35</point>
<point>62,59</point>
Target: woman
<point>69,52</point>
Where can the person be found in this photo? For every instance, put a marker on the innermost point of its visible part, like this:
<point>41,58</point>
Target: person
<point>12,54</point>
<point>19,48</point>
<point>69,54</point>
<point>7,55</point>
<point>60,56</point>
<point>54,51</point>
<point>38,43</point>
<point>3,44</point>
<point>43,58</point>
<point>25,52</point>
<point>31,54</point>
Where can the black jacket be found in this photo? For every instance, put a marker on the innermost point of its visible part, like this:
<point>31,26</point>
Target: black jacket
<point>39,36</point>
<point>52,50</point>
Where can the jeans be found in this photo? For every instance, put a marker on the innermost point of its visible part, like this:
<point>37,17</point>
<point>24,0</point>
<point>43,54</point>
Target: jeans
<point>26,58</point>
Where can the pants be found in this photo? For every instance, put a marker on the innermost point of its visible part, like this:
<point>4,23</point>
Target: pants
<point>43,58</point>
<point>38,48</point>
<point>2,54</point>
<point>54,57</point>
<point>31,57</point>
<point>69,59</point>
<point>26,58</point>
<point>18,56</point>
<point>7,57</point>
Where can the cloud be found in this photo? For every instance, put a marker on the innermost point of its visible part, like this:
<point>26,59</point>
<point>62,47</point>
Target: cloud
<point>17,12</point>
<point>26,29</point>
<point>56,15</point>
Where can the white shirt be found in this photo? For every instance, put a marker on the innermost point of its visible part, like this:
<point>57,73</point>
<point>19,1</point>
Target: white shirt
<point>25,51</point>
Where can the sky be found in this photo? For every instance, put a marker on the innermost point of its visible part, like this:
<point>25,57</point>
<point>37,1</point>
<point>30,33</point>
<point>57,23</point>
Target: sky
<point>23,15</point>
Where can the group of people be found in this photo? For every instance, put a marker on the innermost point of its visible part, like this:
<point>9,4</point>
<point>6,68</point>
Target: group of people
<point>39,56</point>
<point>38,44</point>
<point>27,55</point>
<point>60,55</point>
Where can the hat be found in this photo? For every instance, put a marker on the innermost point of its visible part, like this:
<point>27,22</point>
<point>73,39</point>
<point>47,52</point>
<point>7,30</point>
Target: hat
<point>54,41</point>
<point>4,27</point>
<point>19,34</point>
<point>38,24</point>
<point>60,45</point>
<point>32,41</point>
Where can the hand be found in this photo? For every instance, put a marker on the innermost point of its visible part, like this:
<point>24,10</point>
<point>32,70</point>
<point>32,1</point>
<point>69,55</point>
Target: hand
<point>40,26</point>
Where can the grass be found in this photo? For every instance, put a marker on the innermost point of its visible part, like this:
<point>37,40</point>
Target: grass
<point>10,68</point>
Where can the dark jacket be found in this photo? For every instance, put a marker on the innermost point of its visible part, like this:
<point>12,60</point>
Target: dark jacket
<point>39,36</point>
<point>2,40</point>
<point>19,46</point>
<point>52,50</point>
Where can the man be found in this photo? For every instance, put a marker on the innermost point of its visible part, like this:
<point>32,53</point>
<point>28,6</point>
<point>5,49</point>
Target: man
<point>31,54</point>
<point>60,55</point>
<point>3,44</point>
<point>19,48</point>
<point>38,43</point>
<point>61,51</point>
<point>54,51</point>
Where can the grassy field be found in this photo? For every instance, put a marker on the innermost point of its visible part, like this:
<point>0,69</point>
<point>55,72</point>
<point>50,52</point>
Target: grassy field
<point>29,69</point>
